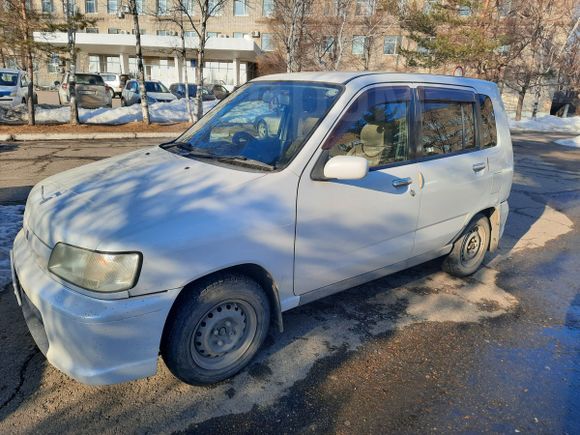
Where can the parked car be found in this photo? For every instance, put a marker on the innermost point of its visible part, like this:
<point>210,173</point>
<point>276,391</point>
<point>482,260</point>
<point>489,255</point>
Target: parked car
<point>191,249</point>
<point>178,89</point>
<point>116,82</point>
<point>218,90</point>
<point>14,88</point>
<point>91,91</point>
<point>156,93</point>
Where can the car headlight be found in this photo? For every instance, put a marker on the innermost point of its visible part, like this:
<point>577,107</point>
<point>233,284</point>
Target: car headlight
<point>92,270</point>
<point>13,93</point>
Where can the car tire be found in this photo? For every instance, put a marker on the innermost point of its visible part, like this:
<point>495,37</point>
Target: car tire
<point>469,249</point>
<point>123,102</point>
<point>215,329</point>
<point>112,93</point>
<point>262,129</point>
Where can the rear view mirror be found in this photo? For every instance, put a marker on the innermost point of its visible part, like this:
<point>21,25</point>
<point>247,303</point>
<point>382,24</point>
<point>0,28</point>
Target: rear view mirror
<point>346,168</point>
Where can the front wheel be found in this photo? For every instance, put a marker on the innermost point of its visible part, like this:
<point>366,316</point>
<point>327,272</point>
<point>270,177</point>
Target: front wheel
<point>123,103</point>
<point>216,329</point>
<point>469,249</point>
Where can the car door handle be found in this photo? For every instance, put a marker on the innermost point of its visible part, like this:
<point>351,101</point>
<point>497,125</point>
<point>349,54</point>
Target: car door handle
<point>402,182</point>
<point>479,166</point>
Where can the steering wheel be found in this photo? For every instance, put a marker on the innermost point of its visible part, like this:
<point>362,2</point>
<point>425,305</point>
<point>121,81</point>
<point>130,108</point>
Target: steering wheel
<point>241,138</point>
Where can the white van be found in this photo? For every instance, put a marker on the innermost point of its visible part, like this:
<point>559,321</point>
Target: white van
<point>193,248</point>
<point>13,88</point>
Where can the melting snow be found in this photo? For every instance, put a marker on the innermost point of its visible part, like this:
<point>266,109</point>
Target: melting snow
<point>548,123</point>
<point>10,223</point>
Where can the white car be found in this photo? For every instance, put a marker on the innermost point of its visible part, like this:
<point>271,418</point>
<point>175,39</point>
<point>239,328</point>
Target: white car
<point>13,88</point>
<point>115,82</point>
<point>193,248</point>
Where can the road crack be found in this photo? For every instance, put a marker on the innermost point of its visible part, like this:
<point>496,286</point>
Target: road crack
<point>23,369</point>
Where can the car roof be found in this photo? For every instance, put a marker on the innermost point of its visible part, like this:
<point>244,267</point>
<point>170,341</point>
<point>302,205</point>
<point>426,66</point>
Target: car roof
<point>368,77</point>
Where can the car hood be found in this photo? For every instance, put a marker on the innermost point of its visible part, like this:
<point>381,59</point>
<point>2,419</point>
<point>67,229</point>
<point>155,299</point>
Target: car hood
<point>120,196</point>
<point>161,95</point>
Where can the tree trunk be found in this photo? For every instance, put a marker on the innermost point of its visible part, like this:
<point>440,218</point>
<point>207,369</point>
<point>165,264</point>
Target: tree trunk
<point>537,95</point>
<point>519,107</point>
<point>565,111</point>
<point>29,66</point>
<point>140,68</point>
<point>185,75</point>
<point>74,113</point>
<point>198,102</point>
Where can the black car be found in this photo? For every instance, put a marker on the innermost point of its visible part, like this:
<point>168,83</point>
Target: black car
<point>178,89</point>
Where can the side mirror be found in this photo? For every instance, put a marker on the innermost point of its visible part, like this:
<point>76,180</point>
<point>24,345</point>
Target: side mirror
<point>346,168</point>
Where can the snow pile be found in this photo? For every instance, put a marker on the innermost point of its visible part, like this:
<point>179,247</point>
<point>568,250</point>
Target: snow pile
<point>573,142</point>
<point>548,123</point>
<point>162,113</point>
<point>10,223</point>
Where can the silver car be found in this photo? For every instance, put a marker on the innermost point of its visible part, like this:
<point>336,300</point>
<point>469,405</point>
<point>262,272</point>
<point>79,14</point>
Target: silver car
<point>91,91</point>
<point>156,93</point>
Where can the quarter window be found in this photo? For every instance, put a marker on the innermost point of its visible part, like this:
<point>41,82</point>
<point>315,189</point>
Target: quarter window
<point>375,126</point>
<point>488,131</point>
<point>447,121</point>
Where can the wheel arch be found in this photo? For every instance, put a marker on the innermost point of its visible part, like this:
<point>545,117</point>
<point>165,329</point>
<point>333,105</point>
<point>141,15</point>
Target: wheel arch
<point>251,270</point>
<point>493,216</point>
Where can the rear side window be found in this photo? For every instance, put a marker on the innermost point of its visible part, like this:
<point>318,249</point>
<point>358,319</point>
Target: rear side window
<point>375,126</point>
<point>488,131</point>
<point>447,121</point>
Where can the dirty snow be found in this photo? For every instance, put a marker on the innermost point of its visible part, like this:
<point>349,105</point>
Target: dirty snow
<point>162,113</point>
<point>573,142</point>
<point>10,223</point>
<point>548,123</point>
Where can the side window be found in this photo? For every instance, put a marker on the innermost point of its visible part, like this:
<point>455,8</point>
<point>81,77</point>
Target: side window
<point>375,126</point>
<point>488,131</point>
<point>447,121</point>
<point>23,81</point>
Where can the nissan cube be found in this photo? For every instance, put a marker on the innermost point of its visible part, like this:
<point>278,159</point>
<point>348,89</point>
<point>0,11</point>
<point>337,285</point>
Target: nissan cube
<point>294,187</point>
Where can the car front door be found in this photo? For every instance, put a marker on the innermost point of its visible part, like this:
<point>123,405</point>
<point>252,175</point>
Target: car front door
<point>345,229</point>
<point>456,181</point>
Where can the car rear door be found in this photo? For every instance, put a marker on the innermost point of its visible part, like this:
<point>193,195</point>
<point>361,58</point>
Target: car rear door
<point>351,228</point>
<point>90,90</point>
<point>455,176</point>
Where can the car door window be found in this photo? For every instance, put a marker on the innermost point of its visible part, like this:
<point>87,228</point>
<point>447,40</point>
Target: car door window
<point>447,121</point>
<point>375,126</point>
<point>488,130</point>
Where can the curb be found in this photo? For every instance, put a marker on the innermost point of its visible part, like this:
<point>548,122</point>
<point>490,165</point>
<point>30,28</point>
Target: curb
<point>85,136</point>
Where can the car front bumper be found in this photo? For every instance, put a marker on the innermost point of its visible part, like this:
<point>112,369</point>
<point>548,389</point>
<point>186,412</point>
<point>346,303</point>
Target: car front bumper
<point>94,341</point>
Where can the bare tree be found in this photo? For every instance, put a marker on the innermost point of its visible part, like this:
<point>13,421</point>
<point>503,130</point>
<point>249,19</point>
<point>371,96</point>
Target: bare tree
<point>140,69</point>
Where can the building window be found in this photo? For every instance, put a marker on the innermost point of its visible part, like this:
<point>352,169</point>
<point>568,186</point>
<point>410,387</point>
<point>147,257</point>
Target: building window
<point>327,43</point>
<point>212,34</point>
<point>391,44</point>
<point>364,7</point>
<point>113,64</point>
<point>215,8</point>
<point>47,7</point>
<point>112,6</point>
<point>162,7</point>
<point>113,31</point>
<point>91,30</point>
<point>191,34</point>
<point>90,6</point>
<point>358,44</point>
<point>188,7</point>
<point>240,35</point>
<point>164,33</point>
<point>268,8</point>
<point>240,8</point>
<point>464,11</point>
<point>94,64</point>
<point>54,64</point>
<point>139,6</point>
<point>428,6</point>
<point>267,42</point>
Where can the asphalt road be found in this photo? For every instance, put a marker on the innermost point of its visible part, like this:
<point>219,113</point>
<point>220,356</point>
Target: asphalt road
<point>415,352</point>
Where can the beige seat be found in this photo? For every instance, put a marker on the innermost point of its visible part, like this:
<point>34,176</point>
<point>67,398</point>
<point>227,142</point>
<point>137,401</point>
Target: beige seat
<point>372,144</point>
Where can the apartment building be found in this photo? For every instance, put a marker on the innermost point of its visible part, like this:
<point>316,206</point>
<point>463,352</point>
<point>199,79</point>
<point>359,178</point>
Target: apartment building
<point>238,34</point>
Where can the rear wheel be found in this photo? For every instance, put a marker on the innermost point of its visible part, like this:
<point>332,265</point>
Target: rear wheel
<point>216,329</point>
<point>469,250</point>
<point>123,103</point>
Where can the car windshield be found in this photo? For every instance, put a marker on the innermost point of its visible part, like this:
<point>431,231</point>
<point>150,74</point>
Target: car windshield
<point>155,87</point>
<point>108,77</point>
<point>8,78</point>
<point>263,124</point>
<point>89,79</point>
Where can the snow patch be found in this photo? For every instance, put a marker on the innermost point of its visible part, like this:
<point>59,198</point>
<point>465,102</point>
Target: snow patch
<point>548,123</point>
<point>574,142</point>
<point>161,113</point>
<point>10,224</point>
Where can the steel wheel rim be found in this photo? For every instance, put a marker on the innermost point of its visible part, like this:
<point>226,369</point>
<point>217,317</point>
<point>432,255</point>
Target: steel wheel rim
<point>472,245</point>
<point>224,334</point>
<point>262,130</point>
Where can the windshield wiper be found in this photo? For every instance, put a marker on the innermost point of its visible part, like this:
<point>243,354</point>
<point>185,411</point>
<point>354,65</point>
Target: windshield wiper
<point>246,161</point>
